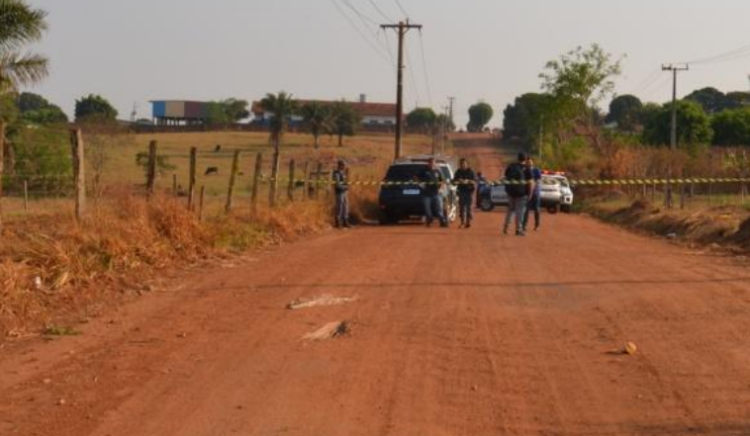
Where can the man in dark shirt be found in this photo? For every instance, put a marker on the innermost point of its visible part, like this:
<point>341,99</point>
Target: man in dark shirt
<point>341,189</point>
<point>519,186</point>
<point>466,181</point>
<point>432,181</point>
<point>535,202</point>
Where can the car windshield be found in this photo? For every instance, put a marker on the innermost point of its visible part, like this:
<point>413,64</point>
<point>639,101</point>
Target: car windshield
<point>549,181</point>
<point>403,173</point>
<point>445,172</point>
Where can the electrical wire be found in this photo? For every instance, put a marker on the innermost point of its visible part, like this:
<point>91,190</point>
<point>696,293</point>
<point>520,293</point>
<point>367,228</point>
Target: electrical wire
<point>410,72</point>
<point>359,14</point>
<point>380,11</point>
<point>424,68</point>
<point>359,31</point>
<point>648,81</point>
<point>401,7</point>
<point>730,55</point>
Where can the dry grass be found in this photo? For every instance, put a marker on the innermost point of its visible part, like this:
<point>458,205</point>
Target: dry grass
<point>54,268</point>
<point>726,226</point>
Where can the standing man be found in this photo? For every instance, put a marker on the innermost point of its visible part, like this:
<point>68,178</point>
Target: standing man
<point>433,202</point>
<point>466,181</point>
<point>483,188</point>
<point>341,189</point>
<point>535,202</point>
<point>519,186</point>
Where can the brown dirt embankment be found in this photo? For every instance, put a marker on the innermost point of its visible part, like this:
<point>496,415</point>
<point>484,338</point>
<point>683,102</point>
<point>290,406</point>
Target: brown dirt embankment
<point>726,227</point>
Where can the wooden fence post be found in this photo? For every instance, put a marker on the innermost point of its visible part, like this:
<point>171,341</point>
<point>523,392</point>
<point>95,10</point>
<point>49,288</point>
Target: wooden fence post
<point>2,169</point>
<point>191,178</point>
<point>201,202</point>
<point>25,195</point>
<point>76,140</point>
<point>274,179</point>
<point>292,181</point>
<point>174,185</point>
<point>256,181</point>
<point>306,175</point>
<point>151,173</point>
<point>233,180</point>
<point>317,180</point>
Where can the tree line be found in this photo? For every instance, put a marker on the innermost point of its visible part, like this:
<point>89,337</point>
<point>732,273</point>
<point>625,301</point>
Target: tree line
<point>705,116</point>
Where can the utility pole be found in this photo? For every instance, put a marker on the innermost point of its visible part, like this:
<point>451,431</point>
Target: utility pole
<point>450,115</point>
<point>403,28</point>
<point>674,68</point>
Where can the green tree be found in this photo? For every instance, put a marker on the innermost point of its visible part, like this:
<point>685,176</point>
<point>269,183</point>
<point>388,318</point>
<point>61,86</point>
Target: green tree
<point>523,118</point>
<point>711,99</point>
<point>737,99</point>
<point>480,115</point>
<point>579,81</point>
<point>626,111</point>
<point>28,102</point>
<point>444,120</point>
<point>216,114</point>
<point>95,108</point>
<point>319,119</point>
<point>282,106</point>
<point>236,110</point>
<point>346,120</point>
<point>731,127</point>
<point>20,25</point>
<point>421,118</point>
<point>693,125</point>
<point>35,109</point>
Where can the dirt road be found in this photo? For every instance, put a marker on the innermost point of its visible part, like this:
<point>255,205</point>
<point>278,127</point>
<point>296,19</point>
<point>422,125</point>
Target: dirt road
<point>452,333</point>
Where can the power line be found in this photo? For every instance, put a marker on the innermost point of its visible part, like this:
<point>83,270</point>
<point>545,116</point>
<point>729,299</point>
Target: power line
<point>380,11</point>
<point>424,68</point>
<point>730,55</point>
<point>359,31</point>
<point>401,7</point>
<point>361,16</point>
<point>410,71</point>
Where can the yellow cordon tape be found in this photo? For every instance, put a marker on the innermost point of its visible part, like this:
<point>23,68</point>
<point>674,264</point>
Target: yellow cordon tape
<point>573,182</point>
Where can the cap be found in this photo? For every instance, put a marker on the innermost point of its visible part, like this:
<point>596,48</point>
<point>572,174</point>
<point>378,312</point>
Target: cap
<point>522,157</point>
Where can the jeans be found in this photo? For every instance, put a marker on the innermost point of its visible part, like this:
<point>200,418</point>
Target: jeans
<point>342,208</point>
<point>535,205</point>
<point>433,207</point>
<point>466,206</point>
<point>517,207</point>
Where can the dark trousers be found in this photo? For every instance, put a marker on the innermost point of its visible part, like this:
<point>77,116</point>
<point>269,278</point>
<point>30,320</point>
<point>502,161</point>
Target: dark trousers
<point>535,205</point>
<point>465,206</point>
<point>433,207</point>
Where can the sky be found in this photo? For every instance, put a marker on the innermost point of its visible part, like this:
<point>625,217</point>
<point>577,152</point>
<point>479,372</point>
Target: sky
<point>135,51</point>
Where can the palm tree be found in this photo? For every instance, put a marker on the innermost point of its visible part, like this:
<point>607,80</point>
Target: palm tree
<point>282,106</point>
<point>318,118</point>
<point>20,25</point>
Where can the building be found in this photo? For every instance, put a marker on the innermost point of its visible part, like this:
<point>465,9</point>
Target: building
<point>373,114</point>
<point>179,112</point>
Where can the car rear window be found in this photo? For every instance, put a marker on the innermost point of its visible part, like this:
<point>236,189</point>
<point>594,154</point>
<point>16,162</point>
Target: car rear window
<point>403,173</point>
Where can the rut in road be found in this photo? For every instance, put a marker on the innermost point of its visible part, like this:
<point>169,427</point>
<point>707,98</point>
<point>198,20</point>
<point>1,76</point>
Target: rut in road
<point>452,332</point>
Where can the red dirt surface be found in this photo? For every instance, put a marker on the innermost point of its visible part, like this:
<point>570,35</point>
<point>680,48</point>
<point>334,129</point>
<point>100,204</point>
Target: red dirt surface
<point>452,333</point>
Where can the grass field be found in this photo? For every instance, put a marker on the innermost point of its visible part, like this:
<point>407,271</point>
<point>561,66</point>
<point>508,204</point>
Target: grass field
<point>367,155</point>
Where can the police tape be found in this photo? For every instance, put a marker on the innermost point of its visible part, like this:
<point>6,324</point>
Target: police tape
<point>572,182</point>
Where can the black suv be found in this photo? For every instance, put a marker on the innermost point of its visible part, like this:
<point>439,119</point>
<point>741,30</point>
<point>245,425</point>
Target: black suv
<point>403,198</point>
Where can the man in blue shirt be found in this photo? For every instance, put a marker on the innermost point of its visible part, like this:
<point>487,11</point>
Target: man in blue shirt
<point>535,201</point>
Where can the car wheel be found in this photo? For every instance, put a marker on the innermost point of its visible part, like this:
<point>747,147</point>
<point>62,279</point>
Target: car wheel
<point>386,219</point>
<point>486,204</point>
<point>553,209</point>
<point>566,208</point>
